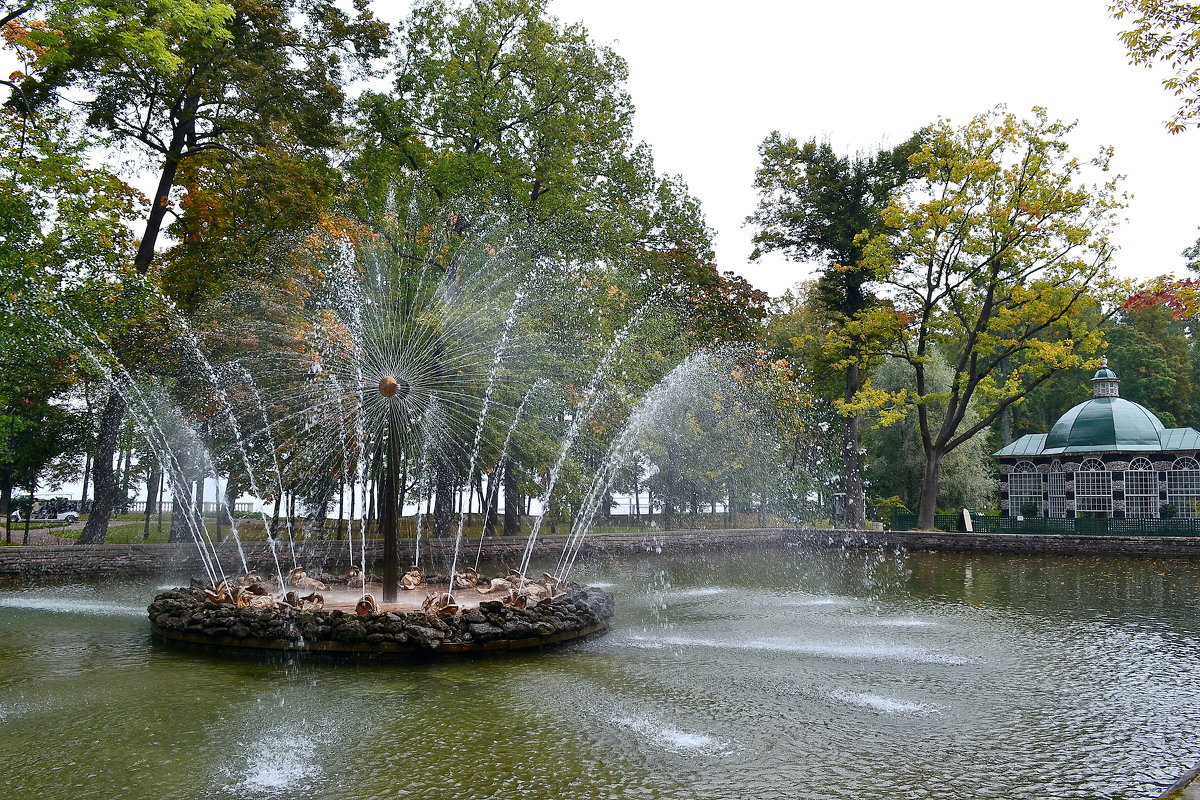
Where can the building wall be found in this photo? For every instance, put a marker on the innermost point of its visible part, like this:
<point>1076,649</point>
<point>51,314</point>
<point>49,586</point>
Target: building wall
<point>1117,464</point>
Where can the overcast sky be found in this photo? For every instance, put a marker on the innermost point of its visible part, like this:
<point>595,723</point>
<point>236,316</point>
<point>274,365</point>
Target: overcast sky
<point>711,80</point>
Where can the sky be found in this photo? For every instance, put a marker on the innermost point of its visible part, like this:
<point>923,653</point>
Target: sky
<point>711,80</point>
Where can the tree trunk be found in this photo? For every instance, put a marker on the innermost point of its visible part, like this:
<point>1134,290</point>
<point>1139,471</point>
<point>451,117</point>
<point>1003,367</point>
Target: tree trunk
<point>856,501</point>
<point>161,201</point>
<point>87,474</point>
<point>199,503</point>
<point>443,504</point>
<point>929,491</point>
<point>637,507</point>
<point>273,533</point>
<point>232,490</point>
<point>29,516</point>
<point>153,488</point>
<point>6,498</point>
<point>490,502</point>
<point>123,496</point>
<point>153,481</point>
<point>341,510</point>
<point>181,507</point>
<point>512,500</point>
<point>104,484</point>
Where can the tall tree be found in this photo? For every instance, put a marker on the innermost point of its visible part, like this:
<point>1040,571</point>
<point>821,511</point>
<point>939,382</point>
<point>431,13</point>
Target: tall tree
<point>816,205</point>
<point>991,258</point>
<point>179,79</point>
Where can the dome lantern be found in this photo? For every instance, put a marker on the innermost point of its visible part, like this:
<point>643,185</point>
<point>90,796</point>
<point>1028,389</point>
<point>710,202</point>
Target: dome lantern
<point>1105,382</point>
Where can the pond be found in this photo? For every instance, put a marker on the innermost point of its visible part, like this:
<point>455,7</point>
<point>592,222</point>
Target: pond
<point>744,673</point>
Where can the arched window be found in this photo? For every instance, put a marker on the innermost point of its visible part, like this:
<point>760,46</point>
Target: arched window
<point>1057,485</point>
<point>1141,490</point>
<point>1093,489</point>
<point>1025,490</point>
<point>1183,487</point>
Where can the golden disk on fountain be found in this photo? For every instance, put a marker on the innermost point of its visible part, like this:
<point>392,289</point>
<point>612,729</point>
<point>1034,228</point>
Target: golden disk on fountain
<point>388,385</point>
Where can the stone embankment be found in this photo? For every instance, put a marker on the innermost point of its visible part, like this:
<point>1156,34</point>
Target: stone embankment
<point>1019,543</point>
<point>184,615</point>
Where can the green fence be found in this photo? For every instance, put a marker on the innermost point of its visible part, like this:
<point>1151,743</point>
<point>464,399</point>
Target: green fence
<point>1085,526</point>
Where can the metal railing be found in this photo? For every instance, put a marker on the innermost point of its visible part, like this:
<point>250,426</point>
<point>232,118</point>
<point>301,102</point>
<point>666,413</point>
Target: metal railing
<point>1083,526</point>
<point>210,508</point>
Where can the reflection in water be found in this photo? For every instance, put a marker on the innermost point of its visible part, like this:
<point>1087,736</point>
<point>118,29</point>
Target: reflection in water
<point>777,672</point>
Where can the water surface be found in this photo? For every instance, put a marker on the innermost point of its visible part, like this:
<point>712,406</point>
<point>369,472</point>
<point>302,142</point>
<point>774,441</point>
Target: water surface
<point>768,673</point>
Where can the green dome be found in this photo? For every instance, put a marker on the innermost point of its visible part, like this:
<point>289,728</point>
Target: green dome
<point>1105,374</point>
<point>1104,423</point>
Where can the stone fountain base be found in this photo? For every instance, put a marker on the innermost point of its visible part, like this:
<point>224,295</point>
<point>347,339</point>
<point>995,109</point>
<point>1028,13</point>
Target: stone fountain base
<point>185,616</point>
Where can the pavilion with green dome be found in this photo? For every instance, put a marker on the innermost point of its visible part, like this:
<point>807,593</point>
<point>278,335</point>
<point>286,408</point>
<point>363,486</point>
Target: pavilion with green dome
<point>1107,457</point>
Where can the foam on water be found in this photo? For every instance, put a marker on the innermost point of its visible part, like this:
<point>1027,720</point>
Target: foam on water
<point>276,764</point>
<point>670,738</point>
<point>876,702</point>
<point>806,602</point>
<point>10,711</point>
<point>895,623</point>
<point>71,605</point>
<point>856,652</point>
<point>700,591</point>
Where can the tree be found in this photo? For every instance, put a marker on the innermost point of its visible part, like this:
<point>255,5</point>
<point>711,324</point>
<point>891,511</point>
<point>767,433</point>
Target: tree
<point>1168,32</point>
<point>182,79</point>
<point>990,258</point>
<point>505,114</point>
<point>815,205</point>
<point>896,463</point>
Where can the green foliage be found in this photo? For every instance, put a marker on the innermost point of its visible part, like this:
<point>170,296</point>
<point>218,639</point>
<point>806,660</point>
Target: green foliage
<point>498,103</point>
<point>1166,31</point>
<point>1149,350</point>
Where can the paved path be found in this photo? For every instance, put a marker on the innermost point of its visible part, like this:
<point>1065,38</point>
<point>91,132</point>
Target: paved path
<point>38,536</point>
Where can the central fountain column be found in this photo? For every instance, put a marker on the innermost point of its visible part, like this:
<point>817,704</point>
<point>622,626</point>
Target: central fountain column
<point>389,512</point>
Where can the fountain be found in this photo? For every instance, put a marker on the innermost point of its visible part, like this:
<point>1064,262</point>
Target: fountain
<point>397,366</point>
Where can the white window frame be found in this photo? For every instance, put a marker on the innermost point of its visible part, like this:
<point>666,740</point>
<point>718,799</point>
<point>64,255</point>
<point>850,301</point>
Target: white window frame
<point>1024,486</point>
<point>1056,485</point>
<point>1141,490</point>
<point>1183,488</point>
<point>1093,488</point>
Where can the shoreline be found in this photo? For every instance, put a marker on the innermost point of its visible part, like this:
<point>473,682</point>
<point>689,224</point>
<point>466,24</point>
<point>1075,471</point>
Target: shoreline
<point>56,563</point>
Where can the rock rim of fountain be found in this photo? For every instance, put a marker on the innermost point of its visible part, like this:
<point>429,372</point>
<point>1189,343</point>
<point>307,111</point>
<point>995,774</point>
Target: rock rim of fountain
<point>187,617</point>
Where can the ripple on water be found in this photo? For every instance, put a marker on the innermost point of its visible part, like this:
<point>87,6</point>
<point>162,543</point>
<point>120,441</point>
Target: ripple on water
<point>858,652</point>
